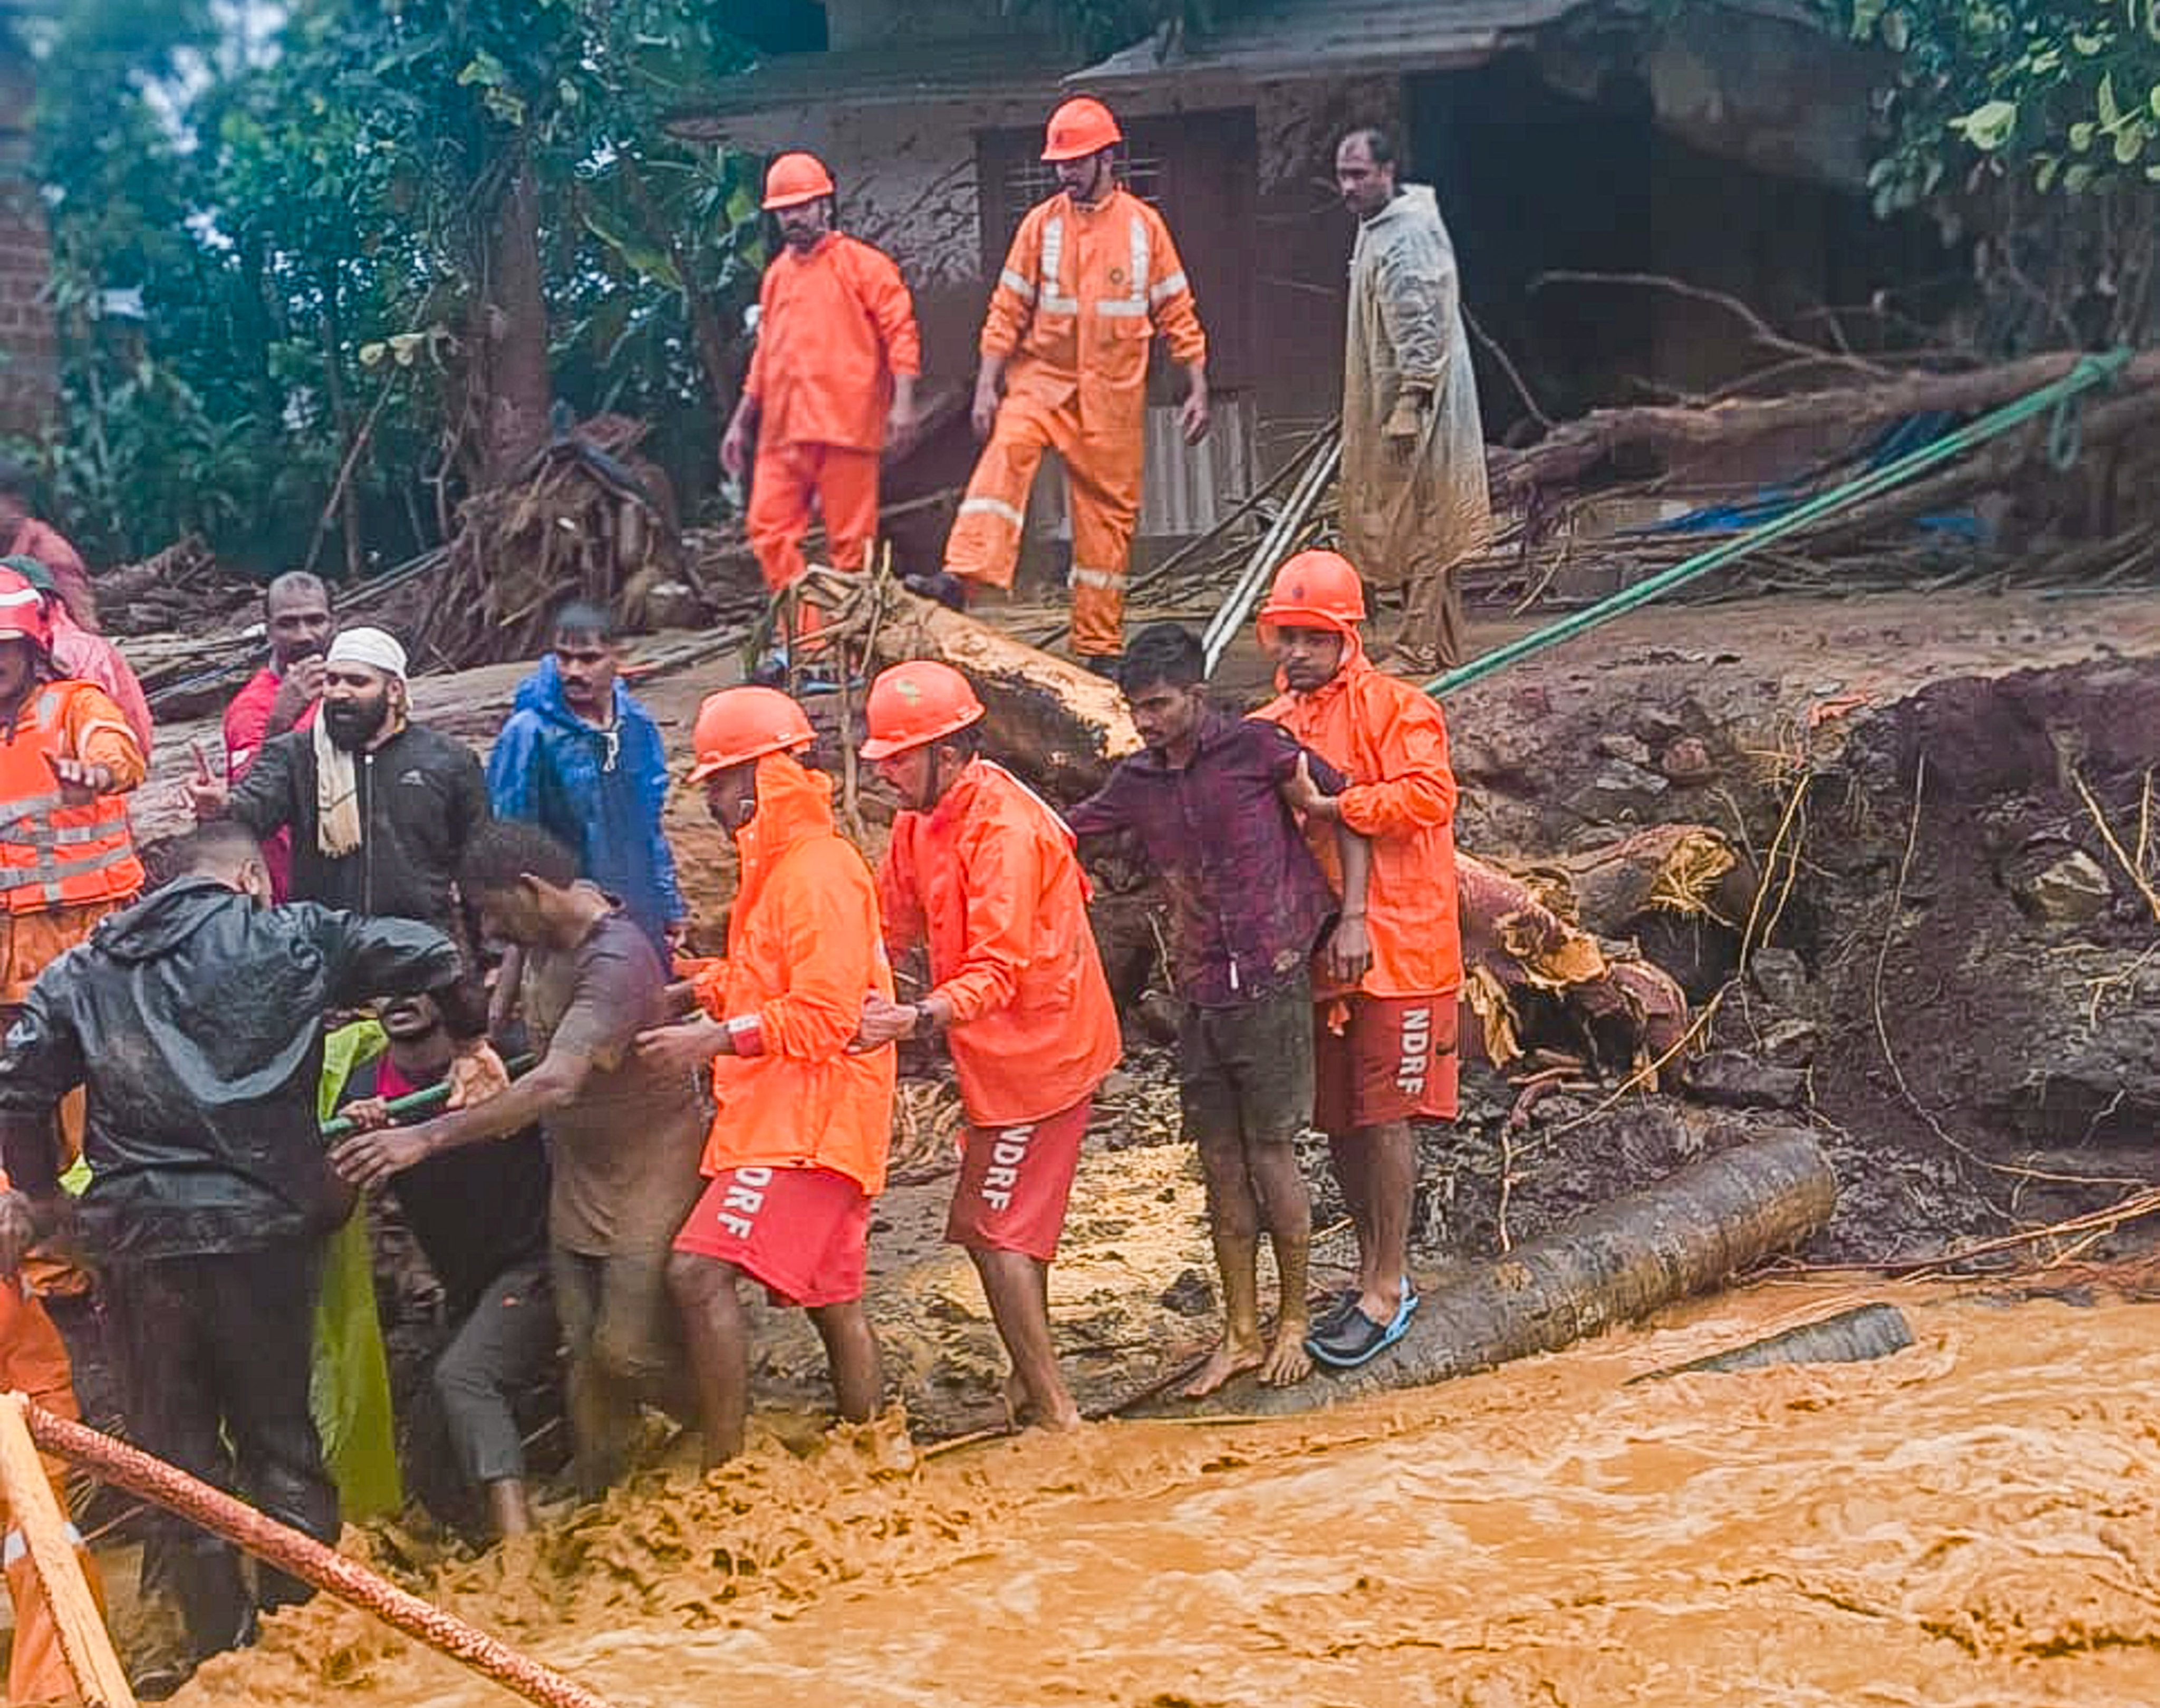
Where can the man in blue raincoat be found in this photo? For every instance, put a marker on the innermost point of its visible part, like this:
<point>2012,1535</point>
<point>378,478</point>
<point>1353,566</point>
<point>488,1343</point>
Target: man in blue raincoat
<point>583,760</point>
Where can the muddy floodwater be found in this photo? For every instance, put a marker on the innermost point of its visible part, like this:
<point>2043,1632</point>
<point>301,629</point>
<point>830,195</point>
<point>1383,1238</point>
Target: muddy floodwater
<point>1974,1520</point>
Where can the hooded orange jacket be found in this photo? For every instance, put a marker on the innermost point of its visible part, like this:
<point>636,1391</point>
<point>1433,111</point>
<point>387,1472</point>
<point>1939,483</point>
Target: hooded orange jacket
<point>990,878</point>
<point>803,947</point>
<point>833,327</point>
<point>1391,741</point>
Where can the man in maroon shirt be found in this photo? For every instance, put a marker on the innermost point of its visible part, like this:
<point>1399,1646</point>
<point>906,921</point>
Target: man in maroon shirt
<point>1207,802</point>
<point>284,694</point>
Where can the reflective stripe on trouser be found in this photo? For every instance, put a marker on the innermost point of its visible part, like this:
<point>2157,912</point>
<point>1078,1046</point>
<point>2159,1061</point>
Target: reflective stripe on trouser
<point>783,481</point>
<point>1102,482</point>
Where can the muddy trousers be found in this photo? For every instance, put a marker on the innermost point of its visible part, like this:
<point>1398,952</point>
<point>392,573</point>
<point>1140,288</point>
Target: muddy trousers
<point>1103,479</point>
<point>505,1346</point>
<point>217,1349</point>
<point>784,480</point>
<point>1431,635</point>
<point>34,1362</point>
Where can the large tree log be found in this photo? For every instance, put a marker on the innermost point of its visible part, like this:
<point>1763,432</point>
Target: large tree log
<point>1685,1235</point>
<point>1057,724</point>
<point>1535,979</point>
<point>1673,434</point>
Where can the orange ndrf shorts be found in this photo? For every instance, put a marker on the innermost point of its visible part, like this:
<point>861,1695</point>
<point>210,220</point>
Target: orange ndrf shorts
<point>1014,1182</point>
<point>1393,1059</point>
<point>805,1233</point>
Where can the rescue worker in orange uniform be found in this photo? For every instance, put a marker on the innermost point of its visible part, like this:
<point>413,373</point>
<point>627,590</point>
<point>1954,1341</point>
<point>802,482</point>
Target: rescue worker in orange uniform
<point>1384,1050</point>
<point>832,376</point>
<point>67,852</point>
<point>796,1153</point>
<point>984,871</point>
<point>1092,274</point>
<point>35,1363</point>
<point>67,856</point>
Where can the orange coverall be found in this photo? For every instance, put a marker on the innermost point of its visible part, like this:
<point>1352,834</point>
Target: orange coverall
<point>804,947</point>
<point>1391,742</point>
<point>1083,292</point>
<point>989,877</point>
<point>34,1362</point>
<point>833,327</point>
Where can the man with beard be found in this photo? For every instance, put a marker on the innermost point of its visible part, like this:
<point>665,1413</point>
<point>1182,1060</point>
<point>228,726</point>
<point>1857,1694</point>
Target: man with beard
<point>1091,276</point>
<point>984,871</point>
<point>831,382</point>
<point>1415,498</point>
<point>480,1217</point>
<point>284,694</point>
<point>381,808</point>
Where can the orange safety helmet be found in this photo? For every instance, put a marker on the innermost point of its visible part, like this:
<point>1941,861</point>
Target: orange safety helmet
<point>737,724</point>
<point>1314,591</point>
<point>22,611</point>
<point>794,179</point>
<point>1080,127</point>
<point>915,703</point>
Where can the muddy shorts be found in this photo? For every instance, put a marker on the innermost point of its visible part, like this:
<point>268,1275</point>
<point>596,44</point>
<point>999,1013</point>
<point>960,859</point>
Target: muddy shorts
<point>1246,1073</point>
<point>805,1233</point>
<point>1014,1182</point>
<point>1379,1059</point>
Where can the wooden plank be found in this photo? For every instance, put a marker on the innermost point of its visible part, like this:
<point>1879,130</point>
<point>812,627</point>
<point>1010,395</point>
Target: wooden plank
<point>84,1643</point>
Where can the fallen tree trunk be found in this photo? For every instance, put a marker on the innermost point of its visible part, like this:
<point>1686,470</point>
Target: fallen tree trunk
<point>1535,980</point>
<point>1851,1337</point>
<point>1059,726</point>
<point>1685,1235</point>
<point>1670,435</point>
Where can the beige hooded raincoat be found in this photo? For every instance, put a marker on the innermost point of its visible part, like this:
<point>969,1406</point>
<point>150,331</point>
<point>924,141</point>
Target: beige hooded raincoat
<point>1408,518</point>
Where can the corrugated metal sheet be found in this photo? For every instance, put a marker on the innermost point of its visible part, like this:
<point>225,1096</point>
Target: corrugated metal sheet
<point>1184,489</point>
<point>1001,67</point>
<point>1286,40</point>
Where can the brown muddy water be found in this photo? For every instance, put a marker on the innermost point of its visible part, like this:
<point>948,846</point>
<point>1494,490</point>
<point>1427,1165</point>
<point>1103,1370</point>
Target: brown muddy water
<point>1975,1520</point>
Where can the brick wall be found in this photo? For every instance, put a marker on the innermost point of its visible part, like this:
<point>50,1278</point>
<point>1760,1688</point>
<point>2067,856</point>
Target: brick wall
<point>28,356</point>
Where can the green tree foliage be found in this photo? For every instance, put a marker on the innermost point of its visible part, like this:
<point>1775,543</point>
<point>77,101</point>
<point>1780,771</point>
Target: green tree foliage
<point>2066,94</point>
<point>318,223</point>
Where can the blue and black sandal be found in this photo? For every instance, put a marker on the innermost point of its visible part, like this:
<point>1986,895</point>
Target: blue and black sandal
<point>1353,1338</point>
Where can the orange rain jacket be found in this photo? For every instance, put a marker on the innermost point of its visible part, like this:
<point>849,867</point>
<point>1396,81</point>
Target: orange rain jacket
<point>1391,742</point>
<point>1081,292</point>
<point>34,1362</point>
<point>803,947</point>
<point>833,327</point>
<point>989,877</point>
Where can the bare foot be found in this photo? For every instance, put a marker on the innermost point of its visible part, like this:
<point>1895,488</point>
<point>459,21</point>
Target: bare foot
<point>1232,1357</point>
<point>1019,1412</point>
<point>1022,1412</point>
<point>1288,1361</point>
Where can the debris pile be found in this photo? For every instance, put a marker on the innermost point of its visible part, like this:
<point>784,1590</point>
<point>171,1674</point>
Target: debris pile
<point>585,518</point>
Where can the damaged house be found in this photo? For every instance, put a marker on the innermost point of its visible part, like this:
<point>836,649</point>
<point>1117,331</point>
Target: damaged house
<point>1563,137</point>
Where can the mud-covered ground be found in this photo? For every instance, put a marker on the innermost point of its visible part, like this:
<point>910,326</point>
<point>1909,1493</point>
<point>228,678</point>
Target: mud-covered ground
<point>1963,1012</point>
<point>1796,727</point>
